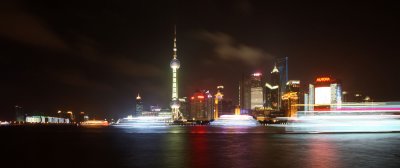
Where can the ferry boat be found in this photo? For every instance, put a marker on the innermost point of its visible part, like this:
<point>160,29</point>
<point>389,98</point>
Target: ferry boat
<point>235,120</point>
<point>144,121</point>
<point>4,123</point>
<point>373,117</point>
<point>95,123</point>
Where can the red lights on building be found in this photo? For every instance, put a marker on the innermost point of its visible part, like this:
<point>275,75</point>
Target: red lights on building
<point>257,74</point>
<point>197,96</point>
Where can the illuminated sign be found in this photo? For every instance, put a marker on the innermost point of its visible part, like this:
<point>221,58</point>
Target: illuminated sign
<point>323,95</point>
<point>200,97</point>
<point>323,79</point>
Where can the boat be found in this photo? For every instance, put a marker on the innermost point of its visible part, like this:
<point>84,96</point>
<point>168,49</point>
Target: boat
<point>95,123</point>
<point>373,117</point>
<point>4,123</point>
<point>144,121</point>
<point>235,120</point>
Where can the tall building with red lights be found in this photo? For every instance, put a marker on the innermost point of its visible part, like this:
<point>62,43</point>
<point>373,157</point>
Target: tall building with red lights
<point>201,106</point>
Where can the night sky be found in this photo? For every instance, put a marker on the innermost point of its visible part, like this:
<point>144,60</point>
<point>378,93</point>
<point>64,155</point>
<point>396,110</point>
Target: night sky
<point>95,56</point>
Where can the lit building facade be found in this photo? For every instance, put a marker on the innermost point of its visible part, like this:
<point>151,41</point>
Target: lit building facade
<point>219,96</point>
<point>325,94</point>
<point>256,91</point>
<point>46,119</point>
<point>291,98</point>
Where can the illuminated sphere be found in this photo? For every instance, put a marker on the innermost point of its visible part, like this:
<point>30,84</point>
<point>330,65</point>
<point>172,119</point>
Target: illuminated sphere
<point>175,104</point>
<point>175,64</point>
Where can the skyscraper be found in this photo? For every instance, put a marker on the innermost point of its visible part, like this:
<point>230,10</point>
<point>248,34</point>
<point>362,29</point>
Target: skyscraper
<point>175,64</point>
<point>256,91</point>
<point>201,106</point>
<point>218,101</point>
<point>272,90</point>
<point>222,105</point>
<point>139,106</point>
<point>19,114</point>
<point>283,68</point>
<point>245,95</point>
<point>291,98</point>
<point>184,107</point>
<point>325,94</point>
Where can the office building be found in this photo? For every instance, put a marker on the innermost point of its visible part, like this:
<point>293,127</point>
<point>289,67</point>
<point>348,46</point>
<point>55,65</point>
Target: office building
<point>272,91</point>
<point>290,99</point>
<point>201,106</point>
<point>325,94</point>
<point>139,106</point>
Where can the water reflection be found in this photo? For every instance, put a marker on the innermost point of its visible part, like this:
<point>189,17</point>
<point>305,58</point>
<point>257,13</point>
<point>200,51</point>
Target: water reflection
<point>322,153</point>
<point>199,150</point>
<point>174,154</point>
<point>196,147</point>
<point>202,146</point>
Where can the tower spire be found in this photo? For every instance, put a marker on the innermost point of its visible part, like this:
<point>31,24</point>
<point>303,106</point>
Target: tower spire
<point>138,97</point>
<point>175,49</point>
<point>275,69</point>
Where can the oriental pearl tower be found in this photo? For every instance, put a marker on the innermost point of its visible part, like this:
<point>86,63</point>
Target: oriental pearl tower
<point>175,64</point>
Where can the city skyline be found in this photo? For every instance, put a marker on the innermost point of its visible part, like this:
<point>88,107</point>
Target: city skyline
<point>100,68</point>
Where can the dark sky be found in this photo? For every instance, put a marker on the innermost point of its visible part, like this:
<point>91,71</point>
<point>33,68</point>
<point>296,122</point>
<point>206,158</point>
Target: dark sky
<point>95,56</point>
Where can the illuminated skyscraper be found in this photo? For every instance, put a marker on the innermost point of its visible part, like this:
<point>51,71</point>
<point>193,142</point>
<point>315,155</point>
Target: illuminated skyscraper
<point>291,98</point>
<point>201,106</point>
<point>139,106</point>
<point>175,64</point>
<point>325,94</point>
<point>272,90</point>
<point>218,101</point>
<point>184,107</point>
<point>256,91</point>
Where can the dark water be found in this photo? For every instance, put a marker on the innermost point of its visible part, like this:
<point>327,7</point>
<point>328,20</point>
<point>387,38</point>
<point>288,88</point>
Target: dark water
<point>196,146</point>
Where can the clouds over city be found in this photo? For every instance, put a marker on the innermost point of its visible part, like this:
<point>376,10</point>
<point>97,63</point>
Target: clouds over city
<point>227,48</point>
<point>19,25</point>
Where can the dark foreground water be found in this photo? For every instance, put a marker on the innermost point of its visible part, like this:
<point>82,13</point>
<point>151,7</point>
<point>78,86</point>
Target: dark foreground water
<point>196,146</point>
